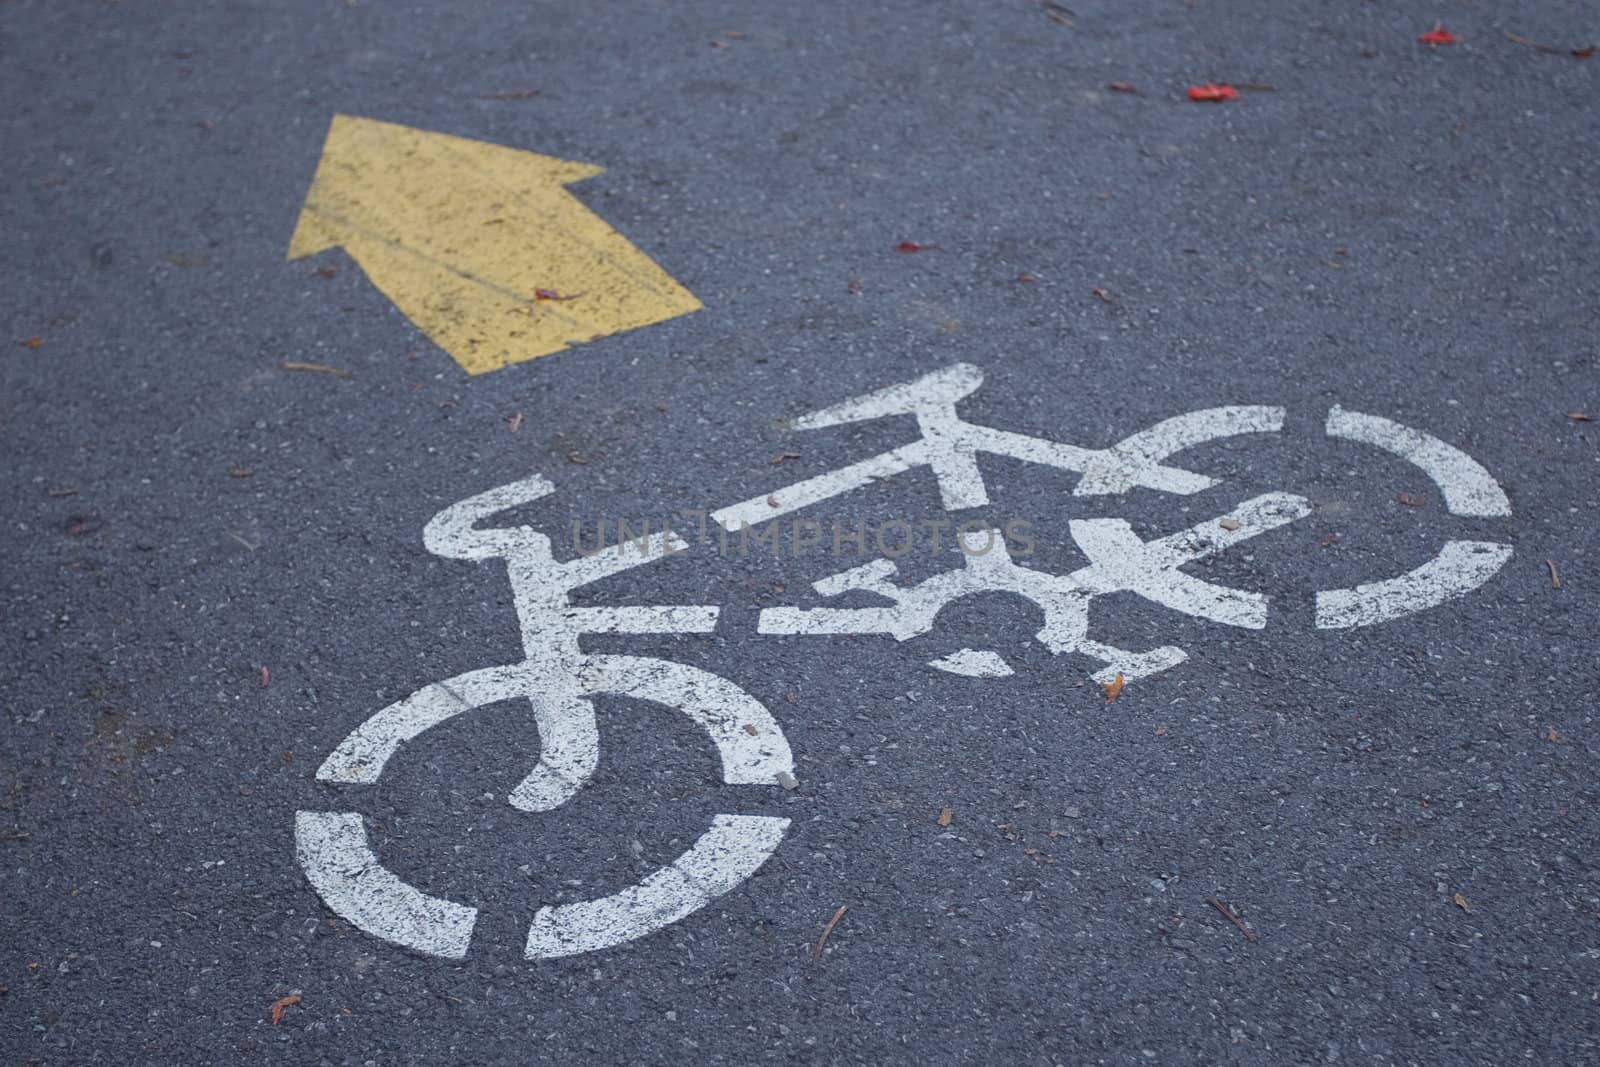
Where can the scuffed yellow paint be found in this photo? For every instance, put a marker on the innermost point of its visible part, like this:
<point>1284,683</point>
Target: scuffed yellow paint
<point>460,235</point>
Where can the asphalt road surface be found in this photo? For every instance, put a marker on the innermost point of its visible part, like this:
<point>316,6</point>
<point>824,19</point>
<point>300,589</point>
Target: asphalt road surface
<point>1346,811</point>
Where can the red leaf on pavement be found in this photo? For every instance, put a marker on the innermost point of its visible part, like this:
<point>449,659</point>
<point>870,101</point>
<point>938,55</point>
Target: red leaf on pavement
<point>1212,94</point>
<point>1113,688</point>
<point>1437,36</point>
<point>908,246</point>
<point>266,677</point>
<point>1102,294</point>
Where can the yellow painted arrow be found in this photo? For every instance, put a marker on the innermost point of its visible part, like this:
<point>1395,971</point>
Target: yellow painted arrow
<point>479,245</point>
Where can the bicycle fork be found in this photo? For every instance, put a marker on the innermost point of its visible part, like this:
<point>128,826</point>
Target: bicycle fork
<point>541,587</point>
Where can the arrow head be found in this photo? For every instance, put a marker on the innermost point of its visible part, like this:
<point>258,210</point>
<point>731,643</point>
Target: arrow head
<point>366,163</point>
<point>479,245</point>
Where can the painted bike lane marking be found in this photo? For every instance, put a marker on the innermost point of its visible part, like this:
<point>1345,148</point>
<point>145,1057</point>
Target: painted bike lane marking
<point>559,679</point>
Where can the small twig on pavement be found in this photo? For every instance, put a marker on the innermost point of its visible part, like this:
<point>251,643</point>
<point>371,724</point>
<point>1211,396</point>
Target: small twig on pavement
<point>816,952</point>
<point>320,369</point>
<point>1249,934</point>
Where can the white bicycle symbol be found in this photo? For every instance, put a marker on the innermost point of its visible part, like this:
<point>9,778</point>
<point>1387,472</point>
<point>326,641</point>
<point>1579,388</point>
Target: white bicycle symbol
<point>558,678</point>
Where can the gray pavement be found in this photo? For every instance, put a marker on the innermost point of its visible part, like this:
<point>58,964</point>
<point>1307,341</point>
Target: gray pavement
<point>1302,844</point>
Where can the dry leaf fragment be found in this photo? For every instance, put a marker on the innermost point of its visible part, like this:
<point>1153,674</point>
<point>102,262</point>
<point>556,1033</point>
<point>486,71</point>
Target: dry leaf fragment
<point>1409,501</point>
<point>749,729</point>
<point>515,422</point>
<point>266,677</point>
<point>1229,523</point>
<point>945,815</point>
<point>1122,87</point>
<point>511,94</point>
<point>319,368</point>
<point>241,472</point>
<point>280,1005</point>
<point>1555,575</point>
<point>772,501</point>
<point>31,342</point>
<point>1461,902</point>
<point>1578,416</point>
<point>1553,737</point>
<point>1161,731</point>
<point>1103,296</point>
<point>816,951</point>
<point>1113,688</point>
<point>1026,277</point>
<point>781,456</point>
<point>1437,36</point>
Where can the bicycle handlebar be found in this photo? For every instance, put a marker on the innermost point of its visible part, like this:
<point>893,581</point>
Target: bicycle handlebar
<point>453,533</point>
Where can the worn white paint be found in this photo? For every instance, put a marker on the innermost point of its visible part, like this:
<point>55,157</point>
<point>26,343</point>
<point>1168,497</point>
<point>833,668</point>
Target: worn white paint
<point>361,757</point>
<point>1460,567</point>
<point>333,851</point>
<point>931,394</point>
<point>1123,465</point>
<point>551,626</point>
<point>725,855</point>
<point>1467,488</point>
<point>803,494</point>
<point>949,446</point>
<point>1119,562</point>
<point>749,740</point>
<point>974,664</point>
<point>560,680</point>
